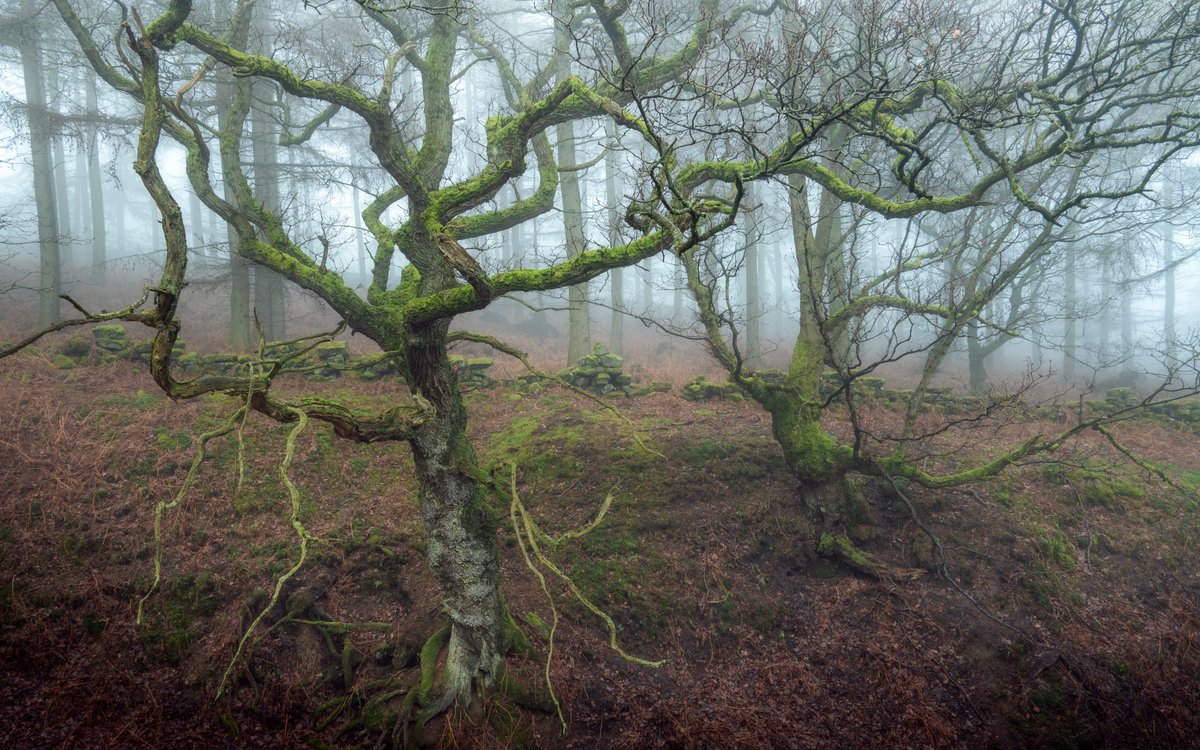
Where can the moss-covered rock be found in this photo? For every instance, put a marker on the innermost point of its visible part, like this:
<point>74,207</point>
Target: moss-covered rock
<point>653,387</point>
<point>703,389</point>
<point>599,371</point>
<point>332,352</point>
<point>77,347</point>
<point>111,338</point>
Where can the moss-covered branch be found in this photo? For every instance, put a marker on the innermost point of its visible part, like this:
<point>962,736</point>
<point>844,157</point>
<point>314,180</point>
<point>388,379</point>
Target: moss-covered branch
<point>256,65</point>
<point>583,267</point>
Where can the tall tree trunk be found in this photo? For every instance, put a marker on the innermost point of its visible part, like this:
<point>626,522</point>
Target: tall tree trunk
<point>752,275</point>
<point>579,341</point>
<point>79,196</point>
<point>269,293</point>
<point>976,359</point>
<point>1104,334</point>
<point>95,185</point>
<point>62,196</point>
<point>1070,312</point>
<point>196,238</point>
<point>616,338</point>
<point>1168,259</point>
<point>241,324</point>
<point>50,284</point>
<point>1126,313</point>
<point>677,309</point>
<point>360,242</point>
<point>780,314</point>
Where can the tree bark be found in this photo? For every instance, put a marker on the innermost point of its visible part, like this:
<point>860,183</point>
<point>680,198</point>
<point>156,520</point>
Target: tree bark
<point>95,186</point>
<point>241,326</point>
<point>269,291</point>
<point>360,242</point>
<point>50,283</point>
<point>612,190</point>
<point>1168,252</point>
<point>579,342</point>
<point>1070,312</point>
<point>976,359</point>
<point>62,201</point>
<point>752,276</point>
<point>462,549</point>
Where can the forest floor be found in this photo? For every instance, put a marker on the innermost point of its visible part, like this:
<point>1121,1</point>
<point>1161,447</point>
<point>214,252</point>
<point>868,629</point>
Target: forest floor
<point>1067,615</point>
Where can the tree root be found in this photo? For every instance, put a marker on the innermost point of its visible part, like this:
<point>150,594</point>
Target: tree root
<point>396,711</point>
<point>840,548</point>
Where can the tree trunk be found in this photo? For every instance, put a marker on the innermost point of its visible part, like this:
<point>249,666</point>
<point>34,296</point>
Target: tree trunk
<point>62,200</point>
<point>579,342</point>
<point>269,292</point>
<point>976,359</point>
<point>1168,238</point>
<point>462,547</point>
<point>616,339</point>
<point>241,326</point>
<point>647,286</point>
<point>677,303</point>
<point>49,286</point>
<point>580,338</point>
<point>196,239</point>
<point>79,195</point>
<point>780,314</point>
<point>96,186</point>
<point>752,276</point>
<point>1104,334</point>
<point>1126,314</point>
<point>360,243</point>
<point>1070,312</point>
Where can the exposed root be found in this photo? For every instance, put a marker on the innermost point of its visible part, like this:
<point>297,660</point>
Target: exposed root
<point>840,547</point>
<point>395,711</point>
<point>429,656</point>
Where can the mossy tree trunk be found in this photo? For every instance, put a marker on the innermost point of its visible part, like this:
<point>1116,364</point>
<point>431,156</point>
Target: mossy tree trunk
<point>462,527</point>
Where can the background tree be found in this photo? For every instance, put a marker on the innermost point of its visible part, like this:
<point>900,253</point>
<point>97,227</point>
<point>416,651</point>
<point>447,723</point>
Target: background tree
<point>24,32</point>
<point>898,119</point>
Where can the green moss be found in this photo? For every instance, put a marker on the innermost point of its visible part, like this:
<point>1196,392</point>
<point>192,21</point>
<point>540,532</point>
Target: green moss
<point>1056,548</point>
<point>172,440</point>
<point>141,401</point>
<point>428,659</point>
<point>1110,494</point>
<point>811,453</point>
<point>172,623</point>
